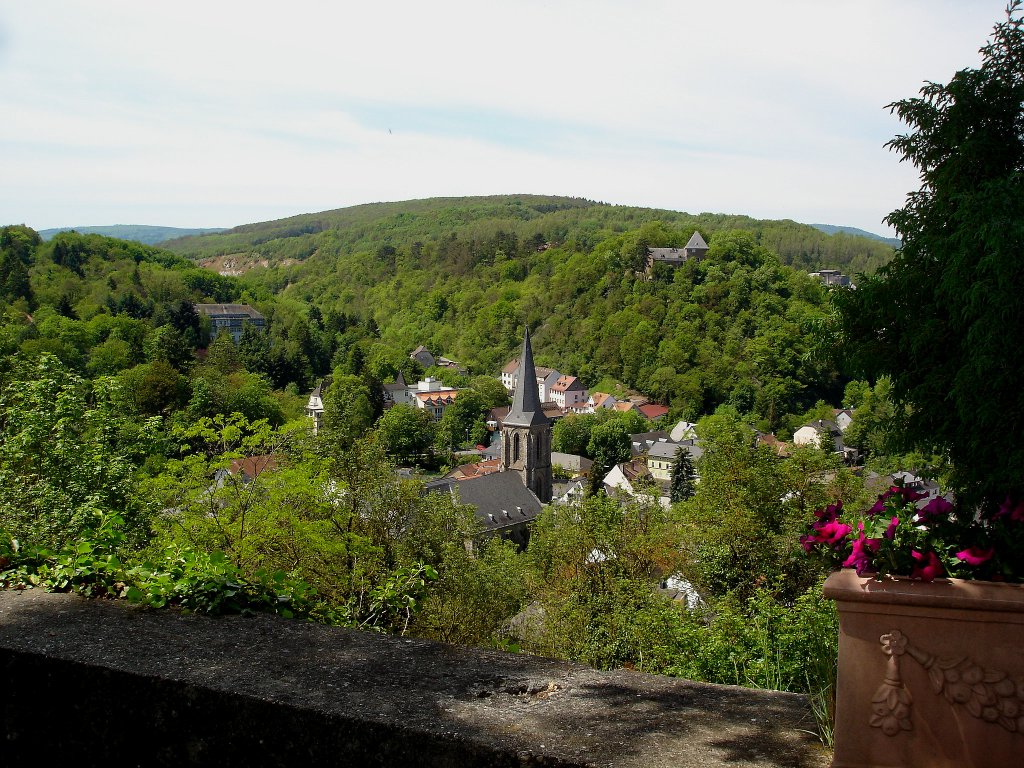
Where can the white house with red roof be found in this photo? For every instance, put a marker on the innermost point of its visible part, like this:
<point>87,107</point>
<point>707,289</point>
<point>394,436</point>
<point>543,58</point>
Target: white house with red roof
<point>568,392</point>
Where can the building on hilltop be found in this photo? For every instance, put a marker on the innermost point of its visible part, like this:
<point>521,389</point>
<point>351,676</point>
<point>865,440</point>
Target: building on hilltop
<point>231,318</point>
<point>831,277</point>
<point>696,248</point>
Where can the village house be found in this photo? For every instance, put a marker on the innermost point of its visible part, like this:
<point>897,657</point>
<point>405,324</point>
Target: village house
<point>825,433</point>
<point>433,396</point>
<point>684,430</point>
<point>571,464</point>
<point>231,318</point>
<point>843,417</point>
<point>600,400</point>
<point>641,442</point>
<point>315,405</point>
<point>652,411</point>
<point>633,480</point>
<point>662,457</point>
<point>568,392</point>
<point>422,356</point>
<point>396,393</point>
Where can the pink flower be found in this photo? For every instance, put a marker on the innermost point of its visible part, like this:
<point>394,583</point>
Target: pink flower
<point>934,509</point>
<point>890,532</point>
<point>976,555</point>
<point>926,566</point>
<point>829,513</point>
<point>860,555</point>
<point>831,533</point>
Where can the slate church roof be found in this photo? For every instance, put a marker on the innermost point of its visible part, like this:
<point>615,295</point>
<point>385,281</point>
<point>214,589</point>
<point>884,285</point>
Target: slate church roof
<point>526,408</point>
<point>501,500</point>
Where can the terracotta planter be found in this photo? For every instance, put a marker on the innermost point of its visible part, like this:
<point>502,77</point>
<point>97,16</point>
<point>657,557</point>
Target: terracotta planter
<point>930,674</point>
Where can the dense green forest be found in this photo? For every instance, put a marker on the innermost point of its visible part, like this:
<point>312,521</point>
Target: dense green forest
<point>463,276</point>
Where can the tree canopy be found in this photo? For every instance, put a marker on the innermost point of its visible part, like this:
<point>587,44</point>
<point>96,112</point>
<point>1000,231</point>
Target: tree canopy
<point>944,319</point>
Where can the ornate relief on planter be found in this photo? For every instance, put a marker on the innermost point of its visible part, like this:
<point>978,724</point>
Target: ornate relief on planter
<point>930,674</point>
<point>993,696</point>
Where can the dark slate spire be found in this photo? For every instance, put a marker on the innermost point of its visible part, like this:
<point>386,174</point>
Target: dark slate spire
<point>526,410</point>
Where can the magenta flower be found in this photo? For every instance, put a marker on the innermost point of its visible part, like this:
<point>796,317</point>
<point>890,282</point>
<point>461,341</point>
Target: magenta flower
<point>890,532</point>
<point>860,555</point>
<point>935,509</point>
<point>926,566</point>
<point>829,513</point>
<point>831,533</point>
<point>834,533</point>
<point>975,556</point>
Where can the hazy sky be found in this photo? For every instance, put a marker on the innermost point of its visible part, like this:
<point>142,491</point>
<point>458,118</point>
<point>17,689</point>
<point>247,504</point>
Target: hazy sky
<point>219,113</point>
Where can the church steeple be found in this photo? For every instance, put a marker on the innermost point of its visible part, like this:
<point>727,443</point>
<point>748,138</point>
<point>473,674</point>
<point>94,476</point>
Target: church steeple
<point>526,410</point>
<point>526,431</point>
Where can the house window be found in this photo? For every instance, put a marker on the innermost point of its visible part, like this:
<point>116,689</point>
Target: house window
<point>515,448</point>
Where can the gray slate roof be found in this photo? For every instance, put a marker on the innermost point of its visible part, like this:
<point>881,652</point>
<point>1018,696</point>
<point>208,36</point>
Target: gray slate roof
<point>501,499</point>
<point>526,408</point>
<point>696,241</point>
<point>668,450</point>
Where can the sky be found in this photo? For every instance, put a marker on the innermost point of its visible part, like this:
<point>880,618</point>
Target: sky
<point>219,113</point>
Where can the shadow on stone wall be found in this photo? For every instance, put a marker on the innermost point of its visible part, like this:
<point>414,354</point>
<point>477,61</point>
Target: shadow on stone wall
<point>123,686</point>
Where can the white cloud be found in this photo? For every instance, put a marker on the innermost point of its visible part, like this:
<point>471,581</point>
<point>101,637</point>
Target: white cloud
<point>200,113</point>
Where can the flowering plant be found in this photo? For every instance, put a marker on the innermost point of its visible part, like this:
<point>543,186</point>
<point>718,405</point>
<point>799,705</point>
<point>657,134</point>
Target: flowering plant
<point>898,537</point>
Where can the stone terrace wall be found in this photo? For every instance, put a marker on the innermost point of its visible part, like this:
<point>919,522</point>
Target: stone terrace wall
<point>108,684</point>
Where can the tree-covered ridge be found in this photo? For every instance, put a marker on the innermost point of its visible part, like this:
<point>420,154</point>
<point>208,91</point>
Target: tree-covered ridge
<point>735,327</point>
<point>573,222</point>
<point>141,233</point>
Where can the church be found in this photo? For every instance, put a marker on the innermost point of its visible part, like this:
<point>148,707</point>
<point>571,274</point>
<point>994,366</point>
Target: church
<point>507,501</point>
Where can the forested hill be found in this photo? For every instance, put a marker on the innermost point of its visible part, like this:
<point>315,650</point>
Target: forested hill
<point>463,277</point>
<point>355,290</point>
<point>577,222</point>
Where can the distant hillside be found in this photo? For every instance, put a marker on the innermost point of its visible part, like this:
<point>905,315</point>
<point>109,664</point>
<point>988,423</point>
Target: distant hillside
<point>140,233</point>
<point>577,223</point>
<point>831,229</point>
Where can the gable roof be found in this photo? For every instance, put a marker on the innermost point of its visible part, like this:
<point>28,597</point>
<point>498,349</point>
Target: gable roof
<point>824,425</point>
<point>566,383</point>
<point>251,467</point>
<point>500,499</point>
<point>526,409</point>
<point>653,410</point>
<point>696,241</point>
<point>475,469</point>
